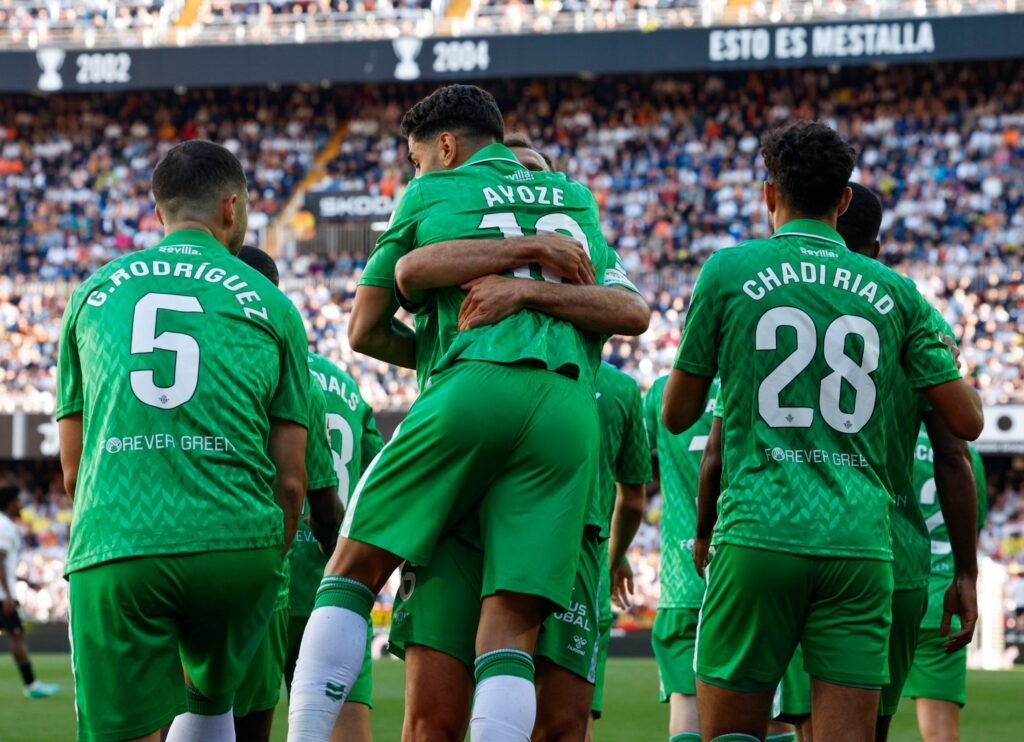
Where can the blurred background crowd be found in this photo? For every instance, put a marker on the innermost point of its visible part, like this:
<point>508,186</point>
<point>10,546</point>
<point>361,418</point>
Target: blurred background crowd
<point>674,163</point>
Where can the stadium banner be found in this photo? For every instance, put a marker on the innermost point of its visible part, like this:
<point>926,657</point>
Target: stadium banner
<point>858,42</point>
<point>347,206</point>
<point>30,436</point>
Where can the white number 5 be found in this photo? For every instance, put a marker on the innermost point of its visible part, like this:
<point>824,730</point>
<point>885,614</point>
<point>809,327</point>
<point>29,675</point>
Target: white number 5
<point>184,347</point>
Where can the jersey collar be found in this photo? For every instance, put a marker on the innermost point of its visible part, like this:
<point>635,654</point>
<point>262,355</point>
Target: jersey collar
<point>810,228</point>
<point>490,153</point>
<point>196,237</point>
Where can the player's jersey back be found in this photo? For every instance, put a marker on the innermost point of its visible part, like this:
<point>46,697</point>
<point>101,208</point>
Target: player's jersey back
<point>941,551</point>
<point>493,196</point>
<point>810,339</point>
<point>354,441</point>
<point>678,468</point>
<point>625,454</point>
<point>177,357</point>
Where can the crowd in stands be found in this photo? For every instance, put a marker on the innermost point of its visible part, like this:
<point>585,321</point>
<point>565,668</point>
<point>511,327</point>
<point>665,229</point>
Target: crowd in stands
<point>673,163</point>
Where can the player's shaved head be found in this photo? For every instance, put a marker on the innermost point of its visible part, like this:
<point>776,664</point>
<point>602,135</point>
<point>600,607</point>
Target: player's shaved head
<point>860,223</point>
<point>261,262</point>
<point>524,149</point>
<point>8,495</point>
<point>192,184</point>
<point>809,166</point>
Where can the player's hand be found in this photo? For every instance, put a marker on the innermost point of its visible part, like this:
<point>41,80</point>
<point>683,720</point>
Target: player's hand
<point>701,548</point>
<point>9,606</point>
<point>961,599</point>
<point>622,585</point>
<point>562,256</point>
<point>951,344</point>
<point>490,300</point>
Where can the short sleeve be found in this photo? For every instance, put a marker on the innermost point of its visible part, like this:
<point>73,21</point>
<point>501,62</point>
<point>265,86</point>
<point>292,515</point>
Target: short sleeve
<point>398,239</point>
<point>926,360</point>
<point>698,351</point>
<point>70,396</point>
<point>372,441</point>
<point>8,539</point>
<point>633,464</point>
<point>320,472</point>
<point>291,398</point>
<point>615,273</point>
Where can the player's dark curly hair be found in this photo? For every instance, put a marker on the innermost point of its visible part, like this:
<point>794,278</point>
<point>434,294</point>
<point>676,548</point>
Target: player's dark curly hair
<point>459,108</point>
<point>860,223</point>
<point>809,164</point>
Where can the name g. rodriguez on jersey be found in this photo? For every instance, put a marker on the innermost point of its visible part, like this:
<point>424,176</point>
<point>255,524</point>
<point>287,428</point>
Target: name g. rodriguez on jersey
<point>140,268</point>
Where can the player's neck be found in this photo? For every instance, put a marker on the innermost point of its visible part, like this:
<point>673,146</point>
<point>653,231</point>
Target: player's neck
<point>193,225</point>
<point>784,215</point>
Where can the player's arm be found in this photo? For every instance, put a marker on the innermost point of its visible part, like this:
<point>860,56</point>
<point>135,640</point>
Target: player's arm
<point>287,450</point>
<point>324,516</point>
<point>373,329</point>
<point>957,493</point>
<point>686,391</point>
<point>604,310</point>
<point>456,262</point>
<point>69,429</point>
<point>709,488</point>
<point>8,599</point>
<point>626,519</point>
<point>684,400</point>
<point>930,360</point>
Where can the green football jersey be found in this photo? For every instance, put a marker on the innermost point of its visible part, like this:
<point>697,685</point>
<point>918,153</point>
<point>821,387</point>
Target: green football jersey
<point>809,339</point>
<point>350,441</point>
<point>493,196</point>
<point>625,453</point>
<point>678,468</point>
<point>941,551</point>
<point>910,544</point>
<point>178,357</point>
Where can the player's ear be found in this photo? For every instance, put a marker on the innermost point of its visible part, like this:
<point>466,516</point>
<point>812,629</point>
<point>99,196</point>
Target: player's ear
<point>447,148</point>
<point>769,197</point>
<point>160,217</point>
<point>228,210</point>
<point>844,202</point>
<point>878,249</point>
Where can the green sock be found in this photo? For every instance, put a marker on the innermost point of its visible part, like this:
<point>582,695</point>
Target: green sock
<point>504,662</point>
<point>343,592</point>
<point>783,737</point>
<point>735,737</point>
<point>685,737</point>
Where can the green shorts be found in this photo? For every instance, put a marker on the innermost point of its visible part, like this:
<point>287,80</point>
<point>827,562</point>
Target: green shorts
<point>935,674</point>
<point>438,605</point>
<point>792,702</point>
<point>134,624</point>
<point>674,639</point>
<point>760,604</point>
<point>908,608</point>
<point>362,691</point>
<point>570,638</point>
<point>605,621</point>
<point>261,688</point>
<point>515,445</point>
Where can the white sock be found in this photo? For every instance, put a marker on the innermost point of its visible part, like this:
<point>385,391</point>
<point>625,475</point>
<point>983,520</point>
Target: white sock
<point>330,659</point>
<point>504,710</point>
<point>189,727</point>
